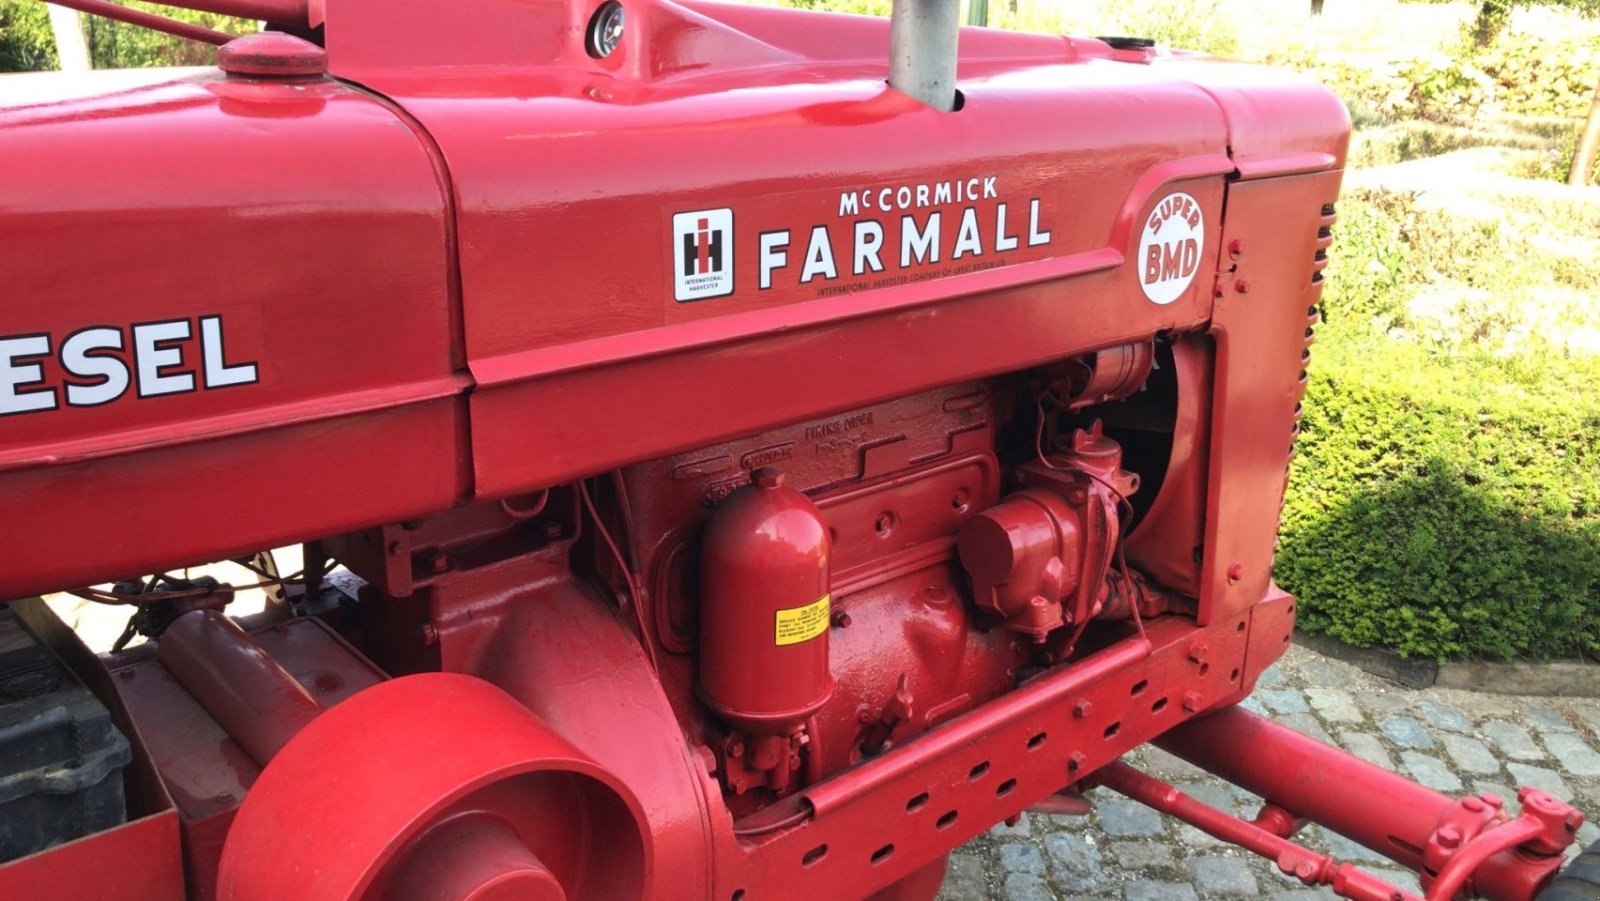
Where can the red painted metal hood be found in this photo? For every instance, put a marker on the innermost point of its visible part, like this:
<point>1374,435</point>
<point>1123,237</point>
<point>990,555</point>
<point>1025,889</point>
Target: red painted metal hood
<point>218,297</point>
<point>727,176</point>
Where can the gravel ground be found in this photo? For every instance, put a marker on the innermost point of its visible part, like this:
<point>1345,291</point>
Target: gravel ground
<point>1454,741</point>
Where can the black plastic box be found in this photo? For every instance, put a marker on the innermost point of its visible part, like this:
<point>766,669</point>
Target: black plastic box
<point>61,759</point>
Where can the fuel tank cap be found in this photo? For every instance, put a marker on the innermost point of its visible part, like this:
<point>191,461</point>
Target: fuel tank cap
<point>272,54</point>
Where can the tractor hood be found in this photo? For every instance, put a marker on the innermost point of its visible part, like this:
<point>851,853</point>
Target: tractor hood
<point>736,173</point>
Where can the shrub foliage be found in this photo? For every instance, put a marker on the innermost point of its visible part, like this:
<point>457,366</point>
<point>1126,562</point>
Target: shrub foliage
<point>27,43</point>
<point>1445,500</point>
<point>1439,521</point>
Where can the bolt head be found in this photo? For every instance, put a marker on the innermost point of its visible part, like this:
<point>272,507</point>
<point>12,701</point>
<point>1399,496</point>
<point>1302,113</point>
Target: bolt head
<point>1082,708</point>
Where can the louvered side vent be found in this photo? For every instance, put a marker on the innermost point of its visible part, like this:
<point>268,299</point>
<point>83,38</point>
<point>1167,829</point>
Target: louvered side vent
<point>1319,262</point>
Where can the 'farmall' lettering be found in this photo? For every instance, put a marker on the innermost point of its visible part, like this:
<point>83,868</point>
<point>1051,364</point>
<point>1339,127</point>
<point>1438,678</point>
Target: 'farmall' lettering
<point>870,245</point>
<point>100,364</point>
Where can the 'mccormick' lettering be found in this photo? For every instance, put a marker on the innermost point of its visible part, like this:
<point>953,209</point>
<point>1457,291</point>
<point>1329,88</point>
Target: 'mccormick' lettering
<point>97,365</point>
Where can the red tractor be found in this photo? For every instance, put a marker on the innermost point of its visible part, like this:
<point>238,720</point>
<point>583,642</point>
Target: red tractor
<point>738,454</point>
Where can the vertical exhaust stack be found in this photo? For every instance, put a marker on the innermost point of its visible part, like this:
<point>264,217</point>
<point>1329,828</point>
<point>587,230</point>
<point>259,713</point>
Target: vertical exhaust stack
<point>922,50</point>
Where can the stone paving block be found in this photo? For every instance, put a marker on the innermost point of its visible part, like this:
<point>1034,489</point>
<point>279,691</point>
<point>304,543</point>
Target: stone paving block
<point>1324,673</point>
<point>1304,894</point>
<point>1041,823</point>
<point>1444,716</point>
<point>1589,795</point>
<point>1285,700</point>
<point>1512,740</point>
<point>1334,705</point>
<point>1368,748</point>
<point>1142,855</point>
<point>1272,675</point>
<point>1254,705</point>
<point>1275,879</point>
<point>1341,847</point>
<point>1016,857</point>
<point>1027,887</point>
<point>1023,829</point>
<point>1540,778</point>
<point>1383,701</point>
<point>1546,718</point>
<point>1190,837</point>
<point>1215,794</point>
<point>1168,766</point>
<point>1306,724</point>
<point>1150,890</point>
<point>964,880</point>
<point>1077,862</point>
<point>1407,732</point>
<point>1222,876</point>
<point>1124,818</point>
<point>1401,879</point>
<point>1588,712</point>
<point>1430,771</point>
<point>1470,755</point>
<point>1574,754</point>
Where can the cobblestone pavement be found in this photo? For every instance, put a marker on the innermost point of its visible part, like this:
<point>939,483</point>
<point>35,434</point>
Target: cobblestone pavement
<point>1454,741</point>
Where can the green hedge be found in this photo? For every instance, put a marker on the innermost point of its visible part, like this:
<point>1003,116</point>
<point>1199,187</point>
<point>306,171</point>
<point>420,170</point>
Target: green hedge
<point>27,43</point>
<point>1436,511</point>
<point>1445,501</point>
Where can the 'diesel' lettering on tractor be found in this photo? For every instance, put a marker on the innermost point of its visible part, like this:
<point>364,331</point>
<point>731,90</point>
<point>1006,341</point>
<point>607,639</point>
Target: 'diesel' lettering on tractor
<point>101,364</point>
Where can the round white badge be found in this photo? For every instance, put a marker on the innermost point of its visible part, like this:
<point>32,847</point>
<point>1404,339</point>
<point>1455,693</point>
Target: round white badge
<point>1170,249</point>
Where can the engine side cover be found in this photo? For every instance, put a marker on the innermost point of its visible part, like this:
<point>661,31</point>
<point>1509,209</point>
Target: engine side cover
<point>218,298</point>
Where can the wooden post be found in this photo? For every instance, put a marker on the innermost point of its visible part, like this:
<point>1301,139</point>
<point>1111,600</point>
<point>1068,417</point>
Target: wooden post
<point>1588,146</point>
<point>72,48</point>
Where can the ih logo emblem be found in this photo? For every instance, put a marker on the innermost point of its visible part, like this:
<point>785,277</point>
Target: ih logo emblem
<point>702,254</point>
<point>1169,251</point>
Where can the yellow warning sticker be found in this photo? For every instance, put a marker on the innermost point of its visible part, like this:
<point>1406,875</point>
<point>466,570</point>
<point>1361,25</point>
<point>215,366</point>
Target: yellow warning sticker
<point>798,624</point>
